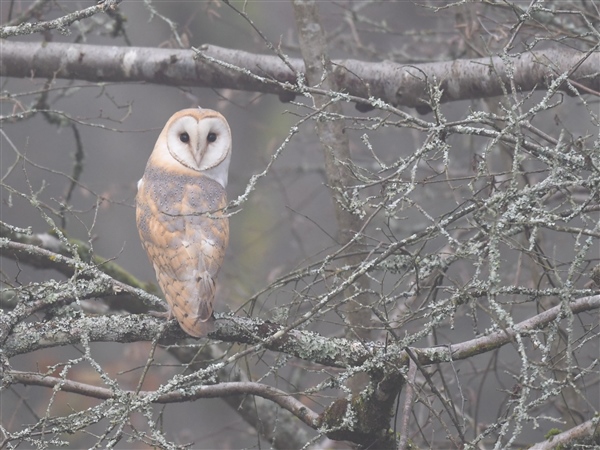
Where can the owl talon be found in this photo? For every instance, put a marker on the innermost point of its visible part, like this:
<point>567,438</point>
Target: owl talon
<point>162,314</point>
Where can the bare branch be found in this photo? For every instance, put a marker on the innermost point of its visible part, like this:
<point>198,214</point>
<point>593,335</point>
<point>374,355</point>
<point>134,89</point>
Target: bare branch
<point>60,24</point>
<point>38,256</point>
<point>225,389</point>
<point>46,251</point>
<point>587,432</point>
<point>392,83</point>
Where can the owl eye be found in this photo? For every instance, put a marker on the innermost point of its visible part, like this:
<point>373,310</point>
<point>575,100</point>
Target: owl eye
<point>212,137</point>
<point>184,137</point>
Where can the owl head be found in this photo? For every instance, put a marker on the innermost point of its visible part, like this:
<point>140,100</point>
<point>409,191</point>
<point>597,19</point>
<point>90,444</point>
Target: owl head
<point>197,140</point>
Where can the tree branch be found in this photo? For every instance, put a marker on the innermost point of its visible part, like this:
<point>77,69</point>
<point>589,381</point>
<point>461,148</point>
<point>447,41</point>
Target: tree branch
<point>588,430</point>
<point>60,24</point>
<point>484,344</point>
<point>138,299</point>
<point>60,331</point>
<point>216,67</point>
<point>278,426</point>
<point>224,389</point>
<point>46,251</point>
<point>305,345</point>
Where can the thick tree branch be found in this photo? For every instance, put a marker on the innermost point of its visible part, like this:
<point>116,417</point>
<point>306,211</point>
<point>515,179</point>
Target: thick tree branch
<point>60,331</point>
<point>216,67</point>
<point>587,433</point>
<point>301,344</point>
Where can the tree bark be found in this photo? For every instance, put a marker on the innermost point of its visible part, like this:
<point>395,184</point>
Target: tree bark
<point>369,84</point>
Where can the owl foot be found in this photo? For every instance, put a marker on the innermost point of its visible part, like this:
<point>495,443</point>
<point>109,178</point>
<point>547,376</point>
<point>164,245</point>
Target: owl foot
<point>162,314</point>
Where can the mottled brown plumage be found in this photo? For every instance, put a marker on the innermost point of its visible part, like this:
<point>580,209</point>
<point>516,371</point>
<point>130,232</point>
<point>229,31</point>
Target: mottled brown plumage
<point>179,211</point>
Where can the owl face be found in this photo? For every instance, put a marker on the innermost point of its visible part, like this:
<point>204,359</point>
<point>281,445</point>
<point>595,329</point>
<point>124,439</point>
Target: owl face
<point>197,139</point>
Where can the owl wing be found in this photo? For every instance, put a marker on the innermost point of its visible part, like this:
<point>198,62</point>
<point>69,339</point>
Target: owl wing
<point>185,236</point>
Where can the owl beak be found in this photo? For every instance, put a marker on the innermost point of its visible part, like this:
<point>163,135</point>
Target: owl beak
<point>200,153</point>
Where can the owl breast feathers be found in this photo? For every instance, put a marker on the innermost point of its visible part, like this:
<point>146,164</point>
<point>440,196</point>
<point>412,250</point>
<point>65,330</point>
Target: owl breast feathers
<point>179,211</point>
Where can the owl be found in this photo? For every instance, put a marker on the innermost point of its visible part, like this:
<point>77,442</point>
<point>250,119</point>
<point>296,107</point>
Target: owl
<point>179,212</point>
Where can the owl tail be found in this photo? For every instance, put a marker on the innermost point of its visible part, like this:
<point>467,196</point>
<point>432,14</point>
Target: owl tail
<point>191,302</point>
<point>198,317</point>
<point>198,327</point>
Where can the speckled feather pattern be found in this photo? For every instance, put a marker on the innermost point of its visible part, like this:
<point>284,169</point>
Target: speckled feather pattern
<point>185,234</point>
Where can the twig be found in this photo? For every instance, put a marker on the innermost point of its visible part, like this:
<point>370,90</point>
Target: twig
<point>60,24</point>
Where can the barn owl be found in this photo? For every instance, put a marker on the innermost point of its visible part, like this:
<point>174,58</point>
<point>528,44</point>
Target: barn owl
<point>179,212</point>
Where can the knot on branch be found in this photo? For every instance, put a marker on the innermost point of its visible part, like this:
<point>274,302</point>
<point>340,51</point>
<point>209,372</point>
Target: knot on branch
<point>365,418</point>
